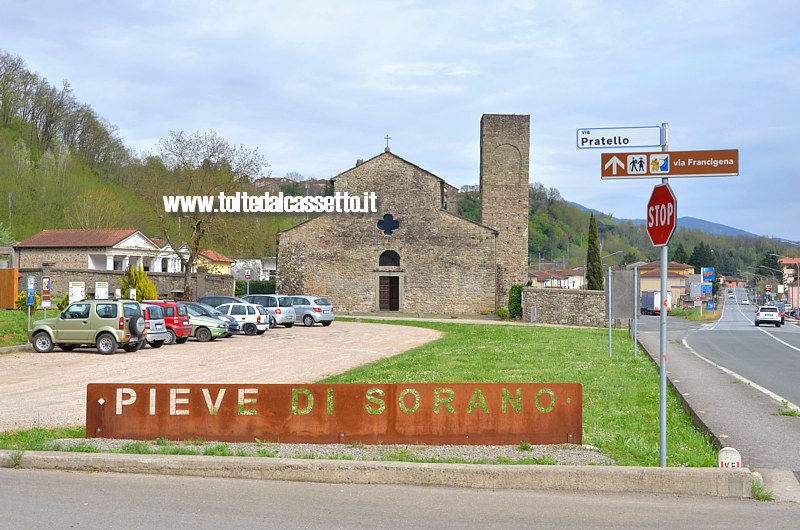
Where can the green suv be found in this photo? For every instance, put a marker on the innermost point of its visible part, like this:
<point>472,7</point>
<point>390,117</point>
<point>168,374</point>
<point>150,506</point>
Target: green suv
<point>105,324</point>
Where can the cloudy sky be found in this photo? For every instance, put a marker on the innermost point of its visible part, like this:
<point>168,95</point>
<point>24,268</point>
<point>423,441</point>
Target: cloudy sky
<point>315,85</point>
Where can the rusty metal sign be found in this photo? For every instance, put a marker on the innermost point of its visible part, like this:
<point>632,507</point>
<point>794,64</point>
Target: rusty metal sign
<point>473,414</point>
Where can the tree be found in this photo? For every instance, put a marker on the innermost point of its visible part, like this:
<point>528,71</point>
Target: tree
<point>198,164</point>
<point>137,279</point>
<point>702,256</point>
<point>594,268</point>
<point>680,254</point>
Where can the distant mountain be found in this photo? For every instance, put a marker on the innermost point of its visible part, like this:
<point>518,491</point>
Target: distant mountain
<point>692,223</point>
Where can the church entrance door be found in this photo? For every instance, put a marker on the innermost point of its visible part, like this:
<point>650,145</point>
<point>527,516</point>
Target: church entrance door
<point>389,293</point>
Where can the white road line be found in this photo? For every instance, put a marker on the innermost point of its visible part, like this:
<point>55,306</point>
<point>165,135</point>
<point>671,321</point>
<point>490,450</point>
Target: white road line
<point>795,348</point>
<point>784,402</point>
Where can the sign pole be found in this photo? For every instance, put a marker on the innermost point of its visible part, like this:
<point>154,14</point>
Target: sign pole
<point>609,311</point>
<point>662,362</point>
<point>636,306</point>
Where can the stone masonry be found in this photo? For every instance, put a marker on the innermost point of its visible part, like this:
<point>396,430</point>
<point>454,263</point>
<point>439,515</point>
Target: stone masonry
<point>505,152</point>
<point>446,262</point>
<point>565,306</point>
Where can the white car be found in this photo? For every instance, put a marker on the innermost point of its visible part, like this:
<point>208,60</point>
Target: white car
<point>250,319</point>
<point>768,314</point>
<point>745,302</point>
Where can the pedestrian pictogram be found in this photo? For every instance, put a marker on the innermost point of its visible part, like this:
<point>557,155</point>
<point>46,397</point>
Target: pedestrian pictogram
<point>661,215</point>
<point>719,163</point>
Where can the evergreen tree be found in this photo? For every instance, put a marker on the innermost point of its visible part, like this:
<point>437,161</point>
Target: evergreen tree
<point>680,254</point>
<point>137,279</point>
<point>594,269</point>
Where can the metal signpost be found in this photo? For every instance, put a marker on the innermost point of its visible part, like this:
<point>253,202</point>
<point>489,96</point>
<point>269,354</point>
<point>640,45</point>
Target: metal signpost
<point>661,209</point>
<point>30,296</point>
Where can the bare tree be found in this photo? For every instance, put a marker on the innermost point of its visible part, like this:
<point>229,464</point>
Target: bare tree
<point>200,164</point>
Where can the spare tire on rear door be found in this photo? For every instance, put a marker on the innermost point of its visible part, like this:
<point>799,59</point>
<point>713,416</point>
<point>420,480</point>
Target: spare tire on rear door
<point>136,325</point>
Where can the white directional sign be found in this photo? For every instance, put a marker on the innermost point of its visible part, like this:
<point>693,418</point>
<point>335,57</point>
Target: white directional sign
<point>599,138</point>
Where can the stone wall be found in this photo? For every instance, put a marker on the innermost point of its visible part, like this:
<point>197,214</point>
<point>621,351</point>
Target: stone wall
<point>447,263</point>
<point>565,306</point>
<point>166,283</point>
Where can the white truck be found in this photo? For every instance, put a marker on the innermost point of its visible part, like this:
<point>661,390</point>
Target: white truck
<point>651,302</point>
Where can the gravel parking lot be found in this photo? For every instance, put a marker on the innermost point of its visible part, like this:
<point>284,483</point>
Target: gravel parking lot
<point>49,389</point>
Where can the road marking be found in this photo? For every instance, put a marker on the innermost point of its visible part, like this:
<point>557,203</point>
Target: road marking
<point>784,402</point>
<point>795,348</point>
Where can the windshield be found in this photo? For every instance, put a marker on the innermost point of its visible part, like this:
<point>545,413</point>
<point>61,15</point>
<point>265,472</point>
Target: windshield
<point>207,308</point>
<point>285,301</point>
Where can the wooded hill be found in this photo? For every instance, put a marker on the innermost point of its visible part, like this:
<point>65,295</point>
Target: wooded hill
<point>63,166</point>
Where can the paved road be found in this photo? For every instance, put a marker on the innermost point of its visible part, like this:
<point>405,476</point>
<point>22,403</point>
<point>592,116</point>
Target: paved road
<point>101,500</point>
<point>766,355</point>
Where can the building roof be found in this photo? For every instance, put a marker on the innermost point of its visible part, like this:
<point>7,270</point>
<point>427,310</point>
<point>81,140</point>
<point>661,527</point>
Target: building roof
<point>786,262</point>
<point>77,238</point>
<point>656,273</point>
<point>670,265</point>
<point>213,255</point>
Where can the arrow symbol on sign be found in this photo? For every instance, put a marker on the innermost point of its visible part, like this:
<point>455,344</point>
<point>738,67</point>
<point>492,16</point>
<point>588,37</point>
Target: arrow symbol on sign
<point>614,163</point>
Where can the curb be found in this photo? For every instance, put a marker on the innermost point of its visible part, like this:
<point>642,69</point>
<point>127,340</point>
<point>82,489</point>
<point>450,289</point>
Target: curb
<point>20,347</point>
<point>714,482</point>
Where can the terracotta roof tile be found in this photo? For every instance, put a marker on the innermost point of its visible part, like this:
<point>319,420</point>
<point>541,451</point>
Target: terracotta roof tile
<point>77,238</point>
<point>213,255</point>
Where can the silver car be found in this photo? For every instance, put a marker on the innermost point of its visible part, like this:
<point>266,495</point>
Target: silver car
<point>155,325</point>
<point>313,309</point>
<point>278,306</point>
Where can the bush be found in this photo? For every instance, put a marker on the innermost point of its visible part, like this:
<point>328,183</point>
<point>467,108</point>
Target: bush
<point>256,287</point>
<point>137,279</point>
<point>502,313</point>
<point>63,302</point>
<point>19,303</point>
<point>515,301</point>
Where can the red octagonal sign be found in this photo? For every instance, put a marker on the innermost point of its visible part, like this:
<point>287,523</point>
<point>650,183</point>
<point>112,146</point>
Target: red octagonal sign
<point>662,211</point>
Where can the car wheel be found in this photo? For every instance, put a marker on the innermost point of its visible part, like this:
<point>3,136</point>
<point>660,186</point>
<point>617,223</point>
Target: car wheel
<point>136,325</point>
<point>171,337</point>
<point>156,343</point>
<point>42,342</point>
<point>67,347</point>
<point>308,321</point>
<point>289,325</point>
<point>106,344</point>
<point>181,340</point>
<point>203,334</point>
<point>756,323</point>
<point>272,322</point>
<point>226,335</point>
<point>777,324</point>
<point>250,329</point>
<point>327,323</point>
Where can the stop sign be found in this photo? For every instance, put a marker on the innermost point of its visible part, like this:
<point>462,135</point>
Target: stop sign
<point>661,214</point>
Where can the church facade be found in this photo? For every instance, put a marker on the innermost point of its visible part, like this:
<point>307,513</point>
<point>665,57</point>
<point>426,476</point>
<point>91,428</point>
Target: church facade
<point>416,254</point>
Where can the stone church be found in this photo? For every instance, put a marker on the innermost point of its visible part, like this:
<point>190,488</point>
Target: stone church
<point>416,254</point>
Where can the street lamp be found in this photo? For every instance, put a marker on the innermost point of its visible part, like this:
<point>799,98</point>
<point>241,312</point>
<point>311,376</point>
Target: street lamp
<point>609,255</point>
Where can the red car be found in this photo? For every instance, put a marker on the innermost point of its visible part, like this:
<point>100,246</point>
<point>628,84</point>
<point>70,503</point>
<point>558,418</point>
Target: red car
<point>176,317</point>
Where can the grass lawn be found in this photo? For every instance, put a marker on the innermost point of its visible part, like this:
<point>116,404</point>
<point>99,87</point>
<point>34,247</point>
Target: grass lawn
<point>620,394</point>
<point>14,324</point>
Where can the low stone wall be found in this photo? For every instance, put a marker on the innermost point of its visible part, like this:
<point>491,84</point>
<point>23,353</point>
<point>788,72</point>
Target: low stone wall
<point>565,306</point>
<point>168,285</point>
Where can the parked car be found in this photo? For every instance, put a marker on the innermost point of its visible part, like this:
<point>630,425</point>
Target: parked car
<point>106,324</point>
<point>768,314</point>
<point>154,323</point>
<point>313,309</point>
<point>205,328</point>
<point>176,318</point>
<point>216,300</point>
<point>250,319</point>
<point>209,311</point>
<point>279,306</point>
